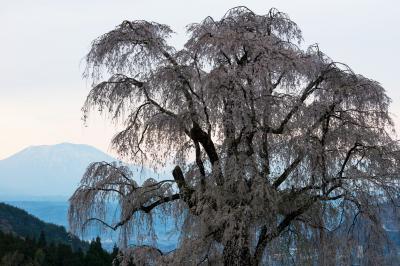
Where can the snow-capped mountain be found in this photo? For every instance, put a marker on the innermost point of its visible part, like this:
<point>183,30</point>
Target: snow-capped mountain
<point>47,170</point>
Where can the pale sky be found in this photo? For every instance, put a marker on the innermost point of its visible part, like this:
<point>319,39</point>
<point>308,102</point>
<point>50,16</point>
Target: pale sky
<point>43,42</point>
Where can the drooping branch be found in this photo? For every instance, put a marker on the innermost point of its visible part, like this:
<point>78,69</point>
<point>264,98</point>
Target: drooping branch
<point>148,208</point>
<point>112,95</point>
<point>103,178</point>
<point>131,47</point>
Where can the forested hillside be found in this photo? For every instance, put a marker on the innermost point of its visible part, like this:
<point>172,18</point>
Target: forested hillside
<point>15,250</point>
<point>20,223</point>
<point>26,240</point>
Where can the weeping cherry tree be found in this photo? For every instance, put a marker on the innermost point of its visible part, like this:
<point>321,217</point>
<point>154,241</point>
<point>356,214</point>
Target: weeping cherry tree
<point>279,152</point>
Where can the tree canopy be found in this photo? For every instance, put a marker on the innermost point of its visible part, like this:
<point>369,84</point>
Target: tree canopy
<point>279,151</point>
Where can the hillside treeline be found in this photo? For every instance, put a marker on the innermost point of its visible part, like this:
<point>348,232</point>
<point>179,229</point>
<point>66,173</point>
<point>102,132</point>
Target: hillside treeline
<point>18,251</point>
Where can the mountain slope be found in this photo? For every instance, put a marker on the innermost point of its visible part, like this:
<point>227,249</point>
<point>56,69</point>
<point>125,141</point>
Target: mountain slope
<point>47,170</point>
<point>19,222</point>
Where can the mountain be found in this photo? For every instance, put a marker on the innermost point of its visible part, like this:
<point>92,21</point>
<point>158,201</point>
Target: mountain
<point>18,222</point>
<point>47,172</point>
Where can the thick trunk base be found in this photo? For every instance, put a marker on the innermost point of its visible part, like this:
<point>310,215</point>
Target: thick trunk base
<point>236,256</point>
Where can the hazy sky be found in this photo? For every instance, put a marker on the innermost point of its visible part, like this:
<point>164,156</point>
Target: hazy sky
<point>42,44</point>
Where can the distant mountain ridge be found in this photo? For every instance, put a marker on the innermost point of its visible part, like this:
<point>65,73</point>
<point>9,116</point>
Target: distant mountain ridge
<point>47,170</point>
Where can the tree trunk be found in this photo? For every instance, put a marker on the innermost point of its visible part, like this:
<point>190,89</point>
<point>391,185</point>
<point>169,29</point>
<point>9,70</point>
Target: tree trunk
<point>235,255</point>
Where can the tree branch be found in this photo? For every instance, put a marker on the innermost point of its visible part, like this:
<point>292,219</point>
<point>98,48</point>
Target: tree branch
<point>307,91</point>
<point>146,209</point>
<point>266,237</point>
<point>287,171</point>
<point>347,158</point>
<point>182,186</point>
